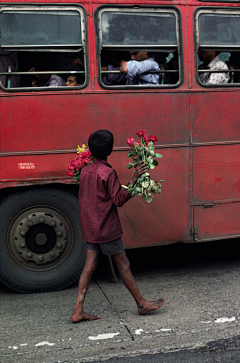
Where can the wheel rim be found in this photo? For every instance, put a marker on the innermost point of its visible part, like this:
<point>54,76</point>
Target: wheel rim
<point>40,238</point>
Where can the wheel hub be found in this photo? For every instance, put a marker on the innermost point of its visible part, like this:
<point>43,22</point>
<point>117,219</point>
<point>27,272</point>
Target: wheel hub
<point>40,238</point>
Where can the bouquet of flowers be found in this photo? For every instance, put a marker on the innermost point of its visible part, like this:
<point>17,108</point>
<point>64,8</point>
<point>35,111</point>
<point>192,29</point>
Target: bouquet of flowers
<point>83,157</point>
<point>143,150</point>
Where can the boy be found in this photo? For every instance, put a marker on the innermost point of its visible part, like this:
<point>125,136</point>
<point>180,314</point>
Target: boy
<point>100,193</point>
<point>74,81</point>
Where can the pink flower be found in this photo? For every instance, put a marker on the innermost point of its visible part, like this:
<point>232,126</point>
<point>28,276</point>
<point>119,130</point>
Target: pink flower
<point>71,167</point>
<point>86,161</point>
<point>84,154</point>
<point>89,152</point>
<point>140,133</point>
<point>130,141</point>
<point>137,143</point>
<point>70,173</point>
<point>152,138</point>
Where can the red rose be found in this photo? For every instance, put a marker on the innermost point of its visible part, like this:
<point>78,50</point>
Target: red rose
<point>84,155</point>
<point>71,167</point>
<point>130,141</point>
<point>89,152</point>
<point>78,163</point>
<point>70,173</point>
<point>145,139</point>
<point>86,161</point>
<point>140,133</point>
<point>153,138</point>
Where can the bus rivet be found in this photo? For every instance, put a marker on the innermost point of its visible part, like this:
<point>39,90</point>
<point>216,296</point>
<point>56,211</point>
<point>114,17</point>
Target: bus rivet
<point>52,254</point>
<point>59,233</point>
<point>30,223</point>
<point>22,233</point>
<point>29,254</point>
<point>41,220</point>
<point>53,224</point>
<point>22,245</point>
<point>40,258</point>
<point>59,245</point>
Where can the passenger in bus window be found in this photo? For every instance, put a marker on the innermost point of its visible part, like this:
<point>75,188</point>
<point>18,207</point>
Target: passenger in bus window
<point>110,62</point>
<point>234,63</point>
<point>9,59</point>
<point>113,78</point>
<point>211,61</point>
<point>74,81</point>
<point>138,68</point>
<point>47,79</point>
<point>171,78</point>
<point>69,61</point>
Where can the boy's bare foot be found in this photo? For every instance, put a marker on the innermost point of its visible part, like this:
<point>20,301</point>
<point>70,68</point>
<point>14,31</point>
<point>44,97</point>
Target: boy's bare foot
<point>150,306</point>
<point>77,316</point>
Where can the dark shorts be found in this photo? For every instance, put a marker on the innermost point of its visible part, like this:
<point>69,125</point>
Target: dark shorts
<point>109,248</point>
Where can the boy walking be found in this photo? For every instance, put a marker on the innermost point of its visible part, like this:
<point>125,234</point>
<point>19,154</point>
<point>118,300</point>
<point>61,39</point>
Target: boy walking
<point>100,194</point>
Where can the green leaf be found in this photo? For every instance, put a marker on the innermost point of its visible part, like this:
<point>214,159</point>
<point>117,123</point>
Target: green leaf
<point>159,156</point>
<point>155,162</point>
<point>152,166</point>
<point>149,199</point>
<point>130,154</point>
<point>133,193</point>
<point>130,165</point>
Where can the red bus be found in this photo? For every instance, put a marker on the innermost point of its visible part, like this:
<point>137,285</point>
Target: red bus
<point>196,122</point>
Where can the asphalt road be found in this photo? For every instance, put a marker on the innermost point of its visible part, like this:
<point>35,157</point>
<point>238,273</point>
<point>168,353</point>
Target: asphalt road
<point>199,322</point>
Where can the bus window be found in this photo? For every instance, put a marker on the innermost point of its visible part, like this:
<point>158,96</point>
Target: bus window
<point>45,54</point>
<point>135,47</point>
<point>218,46</point>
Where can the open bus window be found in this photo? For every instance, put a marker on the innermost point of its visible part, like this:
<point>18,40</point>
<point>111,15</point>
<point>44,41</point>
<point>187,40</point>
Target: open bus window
<point>37,51</point>
<point>218,47</point>
<point>138,48</point>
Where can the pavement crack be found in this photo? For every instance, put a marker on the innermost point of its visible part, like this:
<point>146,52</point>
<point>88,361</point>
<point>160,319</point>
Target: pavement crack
<point>116,311</point>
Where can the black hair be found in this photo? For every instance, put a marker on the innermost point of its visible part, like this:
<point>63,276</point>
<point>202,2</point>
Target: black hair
<point>79,77</point>
<point>101,144</point>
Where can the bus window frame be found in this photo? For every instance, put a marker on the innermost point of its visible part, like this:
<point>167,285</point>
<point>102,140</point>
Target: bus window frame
<point>212,10</point>
<point>51,7</point>
<point>140,9</point>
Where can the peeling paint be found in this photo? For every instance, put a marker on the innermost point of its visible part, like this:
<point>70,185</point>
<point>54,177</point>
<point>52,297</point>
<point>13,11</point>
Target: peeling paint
<point>103,336</point>
<point>138,331</point>
<point>225,320</point>
<point>44,343</point>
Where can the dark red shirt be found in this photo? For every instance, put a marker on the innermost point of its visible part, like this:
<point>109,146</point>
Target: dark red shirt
<point>100,194</point>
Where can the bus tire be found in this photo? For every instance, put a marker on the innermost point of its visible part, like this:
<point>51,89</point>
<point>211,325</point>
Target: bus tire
<point>40,239</point>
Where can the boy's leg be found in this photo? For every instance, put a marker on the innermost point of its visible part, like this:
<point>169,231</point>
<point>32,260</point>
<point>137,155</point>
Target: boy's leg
<point>84,281</point>
<point>143,305</point>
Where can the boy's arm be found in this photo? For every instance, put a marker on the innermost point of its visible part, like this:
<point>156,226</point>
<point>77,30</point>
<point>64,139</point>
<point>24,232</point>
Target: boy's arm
<point>118,194</point>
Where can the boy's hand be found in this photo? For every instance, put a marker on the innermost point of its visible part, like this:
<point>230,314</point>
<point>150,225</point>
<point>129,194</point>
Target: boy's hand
<point>140,169</point>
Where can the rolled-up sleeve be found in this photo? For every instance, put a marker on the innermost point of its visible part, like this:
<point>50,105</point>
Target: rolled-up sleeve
<point>118,194</point>
<point>138,72</point>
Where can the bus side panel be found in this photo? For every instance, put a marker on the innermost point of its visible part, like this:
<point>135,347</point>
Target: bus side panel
<point>221,221</point>
<point>167,218</point>
<point>216,116</point>
<point>62,121</point>
<point>216,191</point>
<point>216,173</point>
<point>30,168</point>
